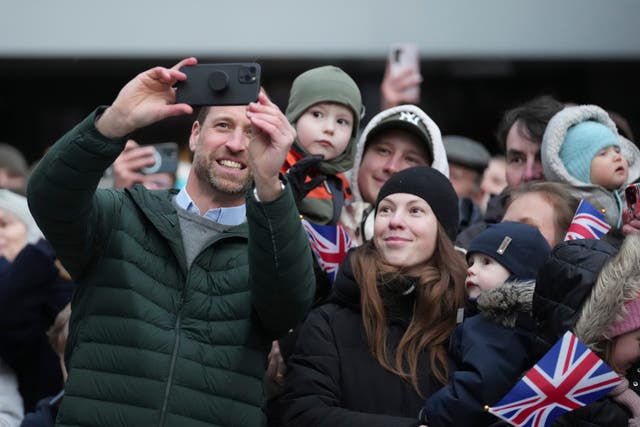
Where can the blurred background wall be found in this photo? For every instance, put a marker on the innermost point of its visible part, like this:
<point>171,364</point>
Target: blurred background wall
<point>60,59</point>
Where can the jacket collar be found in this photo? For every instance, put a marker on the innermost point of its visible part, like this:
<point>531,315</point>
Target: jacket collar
<point>398,294</point>
<point>157,206</point>
<point>504,304</point>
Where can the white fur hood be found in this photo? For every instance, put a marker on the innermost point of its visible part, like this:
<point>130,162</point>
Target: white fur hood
<point>554,169</point>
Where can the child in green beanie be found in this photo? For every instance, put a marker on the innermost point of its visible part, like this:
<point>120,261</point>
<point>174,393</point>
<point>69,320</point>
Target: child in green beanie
<point>325,106</point>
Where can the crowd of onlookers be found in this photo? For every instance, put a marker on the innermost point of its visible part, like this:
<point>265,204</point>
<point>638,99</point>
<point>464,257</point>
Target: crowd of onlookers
<point>313,267</point>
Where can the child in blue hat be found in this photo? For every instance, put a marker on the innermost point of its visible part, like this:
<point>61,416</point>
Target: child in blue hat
<point>581,147</point>
<point>493,348</point>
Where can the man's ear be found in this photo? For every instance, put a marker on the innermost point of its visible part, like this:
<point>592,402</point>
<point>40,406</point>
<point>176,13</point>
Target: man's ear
<point>193,138</point>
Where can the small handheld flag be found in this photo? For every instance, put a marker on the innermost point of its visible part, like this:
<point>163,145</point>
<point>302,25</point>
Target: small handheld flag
<point>587,223</point>
<point>568,377</point>
<point>329,244</point>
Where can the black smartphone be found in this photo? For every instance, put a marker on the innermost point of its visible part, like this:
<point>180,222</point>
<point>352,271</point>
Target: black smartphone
<point>166,157</point>
<point>632,195</point>
<point>219,84</point>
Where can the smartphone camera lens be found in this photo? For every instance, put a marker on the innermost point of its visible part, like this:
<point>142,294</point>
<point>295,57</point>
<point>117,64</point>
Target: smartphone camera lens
<point>248,74</point>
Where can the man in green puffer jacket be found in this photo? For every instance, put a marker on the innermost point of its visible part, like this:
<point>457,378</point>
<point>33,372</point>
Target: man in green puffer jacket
<point>179,293</point>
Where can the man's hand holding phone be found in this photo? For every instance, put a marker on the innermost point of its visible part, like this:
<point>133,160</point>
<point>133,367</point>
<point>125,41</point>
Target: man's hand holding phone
<point>147,99</point>
<point>159,93</point>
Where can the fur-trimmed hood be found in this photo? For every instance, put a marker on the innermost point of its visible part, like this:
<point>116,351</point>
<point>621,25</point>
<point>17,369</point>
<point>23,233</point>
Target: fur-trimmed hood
<point>503,304</point>
<point>555,170</point>
<point>617,283</point>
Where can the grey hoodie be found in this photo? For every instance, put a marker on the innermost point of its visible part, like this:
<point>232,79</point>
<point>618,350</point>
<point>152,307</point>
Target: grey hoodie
<point>358,211</point>
<point>554,170</point>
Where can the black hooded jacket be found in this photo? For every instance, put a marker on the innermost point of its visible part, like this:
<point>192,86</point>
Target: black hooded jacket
<point>562,285</point>
<point>564,282</point>
<point>495,211</point>
<point>333,379</point>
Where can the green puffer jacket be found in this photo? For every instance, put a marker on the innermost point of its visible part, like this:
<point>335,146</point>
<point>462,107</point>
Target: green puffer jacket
<point>152,343</point>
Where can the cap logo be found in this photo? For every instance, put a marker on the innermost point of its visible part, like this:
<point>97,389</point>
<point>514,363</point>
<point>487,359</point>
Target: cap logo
<point>504,245</point>
<point>409,117</point>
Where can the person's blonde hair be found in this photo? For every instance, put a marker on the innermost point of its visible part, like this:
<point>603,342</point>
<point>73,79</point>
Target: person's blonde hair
<point>439,294</point>
<point>559,197</point>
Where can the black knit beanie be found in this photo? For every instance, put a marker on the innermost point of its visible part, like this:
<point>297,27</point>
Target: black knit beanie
<point>431,186</point>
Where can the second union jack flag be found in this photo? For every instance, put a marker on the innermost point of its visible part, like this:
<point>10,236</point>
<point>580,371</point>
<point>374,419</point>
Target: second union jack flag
<point>329,244</point>
<point>567,377</point>
<point>587,223</point>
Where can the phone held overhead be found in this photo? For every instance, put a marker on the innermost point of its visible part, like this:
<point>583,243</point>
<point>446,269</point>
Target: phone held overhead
<point>403,57</point>
<point>165,155</point>
<point>219,84</point>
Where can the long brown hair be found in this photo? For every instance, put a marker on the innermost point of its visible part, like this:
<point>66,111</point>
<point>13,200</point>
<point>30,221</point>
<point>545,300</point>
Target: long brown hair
<point>439,294</point>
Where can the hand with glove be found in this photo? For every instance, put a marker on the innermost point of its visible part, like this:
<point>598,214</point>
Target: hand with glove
<point>298,173</point>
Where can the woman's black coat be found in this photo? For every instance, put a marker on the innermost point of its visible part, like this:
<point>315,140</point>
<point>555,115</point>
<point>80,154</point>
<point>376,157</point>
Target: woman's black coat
<point>333,379</point>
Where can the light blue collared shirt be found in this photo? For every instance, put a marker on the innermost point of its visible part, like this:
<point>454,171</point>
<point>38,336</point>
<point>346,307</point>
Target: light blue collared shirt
<point>231,216</point>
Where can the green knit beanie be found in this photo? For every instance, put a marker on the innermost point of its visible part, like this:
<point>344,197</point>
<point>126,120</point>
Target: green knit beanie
<point>327,84</point>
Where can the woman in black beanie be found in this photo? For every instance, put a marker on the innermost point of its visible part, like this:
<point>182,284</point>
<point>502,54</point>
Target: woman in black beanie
<point>378,346</point>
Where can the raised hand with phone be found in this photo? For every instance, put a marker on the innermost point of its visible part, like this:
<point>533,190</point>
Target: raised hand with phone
<point>147,99</point>
<point>402,78</point>
<point>153,166</point>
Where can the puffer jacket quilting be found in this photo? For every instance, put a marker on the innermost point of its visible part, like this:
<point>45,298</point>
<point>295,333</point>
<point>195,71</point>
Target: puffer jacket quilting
<point>152,342</point>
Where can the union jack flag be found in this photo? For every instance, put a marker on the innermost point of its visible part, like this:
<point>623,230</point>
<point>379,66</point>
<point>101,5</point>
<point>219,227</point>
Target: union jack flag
<point>587,223</point>
<point>329,244</point>
<point>567,377</point>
